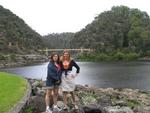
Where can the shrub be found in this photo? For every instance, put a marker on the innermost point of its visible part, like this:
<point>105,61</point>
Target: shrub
<point>147,53</point>
<point>119,56</point>
<point>2,57</point>
<point>131,56</point>
<point>102,57</point>
<point>13,57</point>
<point>116,56</point>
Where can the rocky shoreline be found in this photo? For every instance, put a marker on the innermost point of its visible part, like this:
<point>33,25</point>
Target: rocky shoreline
<point>28,59</point>
<point>93,100</point>
<point>146,58</point>
<point>22,60</point>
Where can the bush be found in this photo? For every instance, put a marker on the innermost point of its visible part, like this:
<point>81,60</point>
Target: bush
<point>131,56</point>
<point>2,57</point>
<point>116,56</point>
<point>102,57</point>
<point>147,53</point>
<point>86,57</point>
<point>119,56</point>
<point>13,57</point>
<point>28,110</point>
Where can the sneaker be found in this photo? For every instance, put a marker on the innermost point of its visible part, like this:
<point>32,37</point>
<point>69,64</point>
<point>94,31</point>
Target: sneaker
<point>56,108</point>
<point>48,110</point>
<point>65,108</point>
<point>75,107</point>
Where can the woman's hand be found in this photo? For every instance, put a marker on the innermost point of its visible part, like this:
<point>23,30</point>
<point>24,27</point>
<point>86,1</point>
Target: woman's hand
<point>74,75</point>
<point>57,82</point>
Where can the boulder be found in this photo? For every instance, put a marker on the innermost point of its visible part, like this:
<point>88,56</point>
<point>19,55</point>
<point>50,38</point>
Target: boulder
<point>117,109</point>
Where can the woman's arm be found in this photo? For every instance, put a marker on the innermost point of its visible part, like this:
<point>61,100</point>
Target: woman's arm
<point>76,66</point>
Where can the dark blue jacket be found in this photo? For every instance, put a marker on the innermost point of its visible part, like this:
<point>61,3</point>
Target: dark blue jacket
<point>52,72</point>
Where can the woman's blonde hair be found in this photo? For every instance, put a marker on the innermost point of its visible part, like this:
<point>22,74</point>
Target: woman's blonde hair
<point>62,57</point>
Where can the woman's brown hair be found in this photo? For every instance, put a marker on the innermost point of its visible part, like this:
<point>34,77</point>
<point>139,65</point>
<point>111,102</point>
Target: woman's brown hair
<point>51,57</point>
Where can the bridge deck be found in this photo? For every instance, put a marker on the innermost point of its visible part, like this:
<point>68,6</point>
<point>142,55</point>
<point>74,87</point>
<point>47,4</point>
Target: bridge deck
<point>67,49</point>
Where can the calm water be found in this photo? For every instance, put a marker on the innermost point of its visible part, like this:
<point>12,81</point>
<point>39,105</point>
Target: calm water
<point>117,75</point>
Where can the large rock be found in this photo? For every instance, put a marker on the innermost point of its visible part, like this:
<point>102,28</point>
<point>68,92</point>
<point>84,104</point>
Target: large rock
<point>105,101</point>
<point>117,109</point>
<point>93,108</point>
<point>37,104</point>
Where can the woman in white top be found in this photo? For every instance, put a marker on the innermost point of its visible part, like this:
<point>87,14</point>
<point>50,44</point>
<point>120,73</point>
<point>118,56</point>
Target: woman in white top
<point>68,77</point>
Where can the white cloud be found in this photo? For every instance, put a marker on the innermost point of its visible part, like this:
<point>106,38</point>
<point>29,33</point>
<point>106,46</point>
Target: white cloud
<point>47,16</point>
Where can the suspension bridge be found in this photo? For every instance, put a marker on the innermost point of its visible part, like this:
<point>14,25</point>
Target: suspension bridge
<point>81,50</point>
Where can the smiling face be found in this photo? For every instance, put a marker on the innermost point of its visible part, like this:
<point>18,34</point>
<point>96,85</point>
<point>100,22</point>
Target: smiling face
<point>66,55</point>
<point>55,58</point>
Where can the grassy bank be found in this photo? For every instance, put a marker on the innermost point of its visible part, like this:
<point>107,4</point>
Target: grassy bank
<point>12,89</point>
<point>117,56</point>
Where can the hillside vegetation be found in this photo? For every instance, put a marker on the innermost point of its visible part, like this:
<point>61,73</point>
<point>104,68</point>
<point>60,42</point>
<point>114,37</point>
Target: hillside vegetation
<point>16,36</point>
<point>117,33</point>
<point>58,40</point>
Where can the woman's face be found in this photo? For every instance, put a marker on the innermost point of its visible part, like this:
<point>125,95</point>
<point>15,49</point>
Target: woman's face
<point>55,58</point>
<point>66,55</point>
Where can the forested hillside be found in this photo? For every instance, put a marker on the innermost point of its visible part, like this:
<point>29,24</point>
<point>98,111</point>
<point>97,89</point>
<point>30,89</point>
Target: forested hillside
<point>114,33</point>
<point>58,40</point>
<point>15,35</point>
<point>120,29</point>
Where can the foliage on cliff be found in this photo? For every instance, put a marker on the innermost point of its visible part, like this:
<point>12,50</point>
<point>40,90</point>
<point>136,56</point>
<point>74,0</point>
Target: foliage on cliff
<point>120,28</point>
<point>15,35</point>
<point>58,40</point>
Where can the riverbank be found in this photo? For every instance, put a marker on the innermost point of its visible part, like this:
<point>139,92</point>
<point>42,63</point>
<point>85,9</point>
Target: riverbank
<point>93,100</point>
<point>16,60</point>
<point>12,89</point>
<point>117,56</point>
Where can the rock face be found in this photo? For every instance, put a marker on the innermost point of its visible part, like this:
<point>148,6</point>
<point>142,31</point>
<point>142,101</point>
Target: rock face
<point>117,109</point>
<point>94,100</point>
<point>22,60</point>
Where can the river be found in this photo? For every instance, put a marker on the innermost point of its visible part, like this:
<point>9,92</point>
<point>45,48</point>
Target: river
<point>134,75</point>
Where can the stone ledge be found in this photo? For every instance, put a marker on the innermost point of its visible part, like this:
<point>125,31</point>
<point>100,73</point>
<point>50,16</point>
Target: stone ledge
<point>18,108</point>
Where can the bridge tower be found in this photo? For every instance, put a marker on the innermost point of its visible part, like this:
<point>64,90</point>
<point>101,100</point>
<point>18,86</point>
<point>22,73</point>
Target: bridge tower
<point>81,50</point>
<point>46,52</point>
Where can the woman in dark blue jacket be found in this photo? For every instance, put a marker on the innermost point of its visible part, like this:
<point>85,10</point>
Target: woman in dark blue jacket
<point>53,82</point>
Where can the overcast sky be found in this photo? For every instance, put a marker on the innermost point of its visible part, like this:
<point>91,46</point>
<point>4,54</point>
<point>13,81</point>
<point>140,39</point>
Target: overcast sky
<point>56,16</point>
